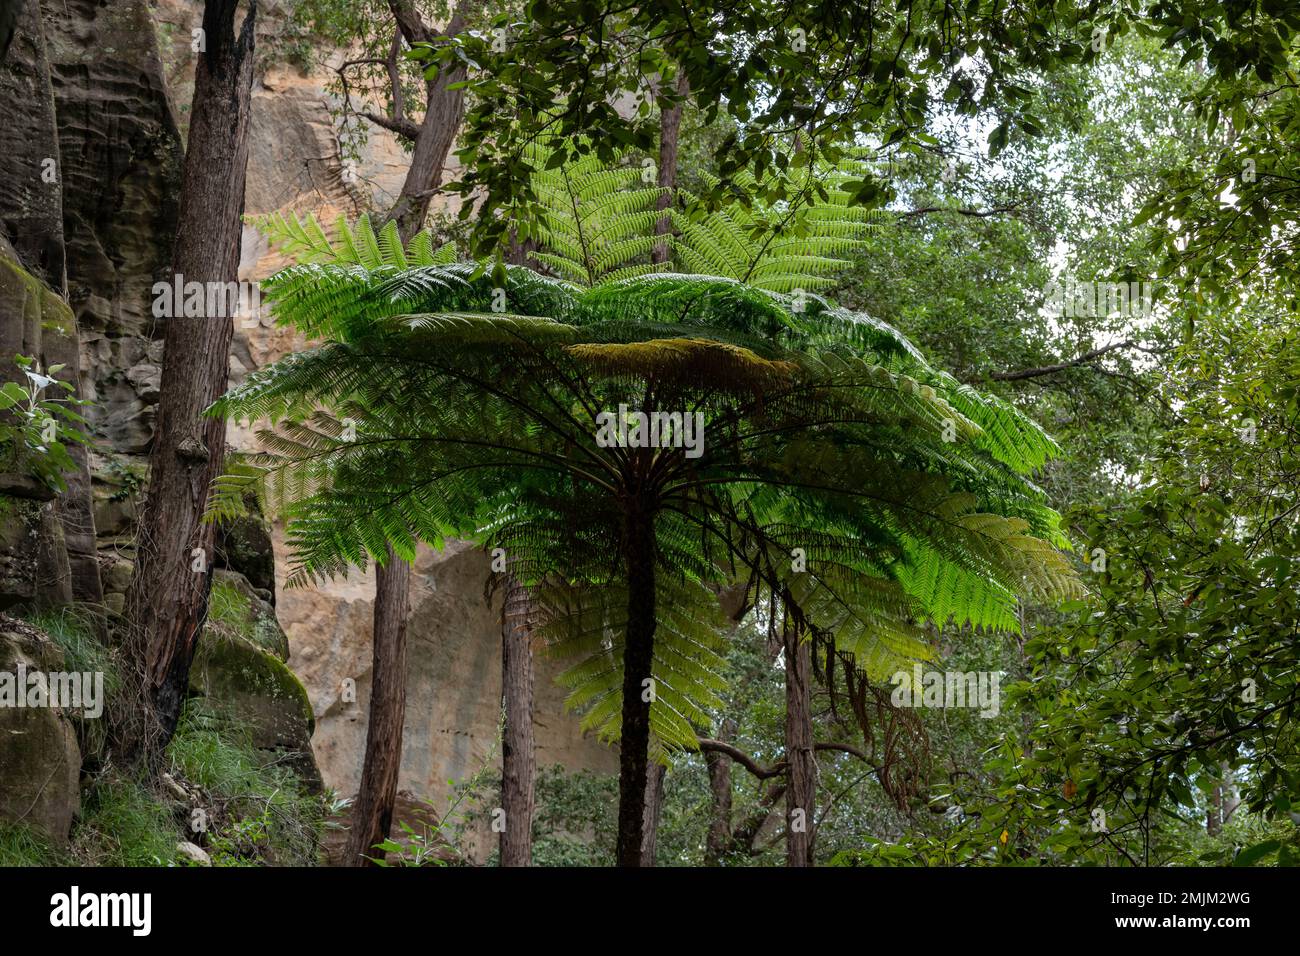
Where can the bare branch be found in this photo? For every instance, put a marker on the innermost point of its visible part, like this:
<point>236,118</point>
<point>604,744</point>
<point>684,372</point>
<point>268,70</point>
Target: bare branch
<point>403,128</point>
<point>1060,366</point>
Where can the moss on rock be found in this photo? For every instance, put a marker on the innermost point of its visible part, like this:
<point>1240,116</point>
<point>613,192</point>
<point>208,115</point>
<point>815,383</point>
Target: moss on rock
<point>254,688</point>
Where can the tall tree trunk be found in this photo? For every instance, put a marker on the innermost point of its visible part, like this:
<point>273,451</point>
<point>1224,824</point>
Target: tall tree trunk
<point>654,801</point>
<point>372,816</point>
<point>801,795</point>
<point>167,600</point>
<point>670,124</point>
<point>638,658</point>
<point>518,758</point>
<point>719,766</point>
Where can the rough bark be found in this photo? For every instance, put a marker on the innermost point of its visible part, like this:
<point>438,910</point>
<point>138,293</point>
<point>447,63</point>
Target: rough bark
<point>670,124</point>
<point>654,801</point>
<point>719,837</point>
<point>168,597</point>
<point>372,816</point>
<point>801,795</point>
<point>638,655</point>
<point>518,758</point>
<point>444,112</point>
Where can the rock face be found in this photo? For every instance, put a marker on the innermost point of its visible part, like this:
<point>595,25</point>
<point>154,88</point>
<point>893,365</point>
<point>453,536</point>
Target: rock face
<point>38,745</point>
<point>120,159</point>
<point>453,685</point>
<point>49,554</point>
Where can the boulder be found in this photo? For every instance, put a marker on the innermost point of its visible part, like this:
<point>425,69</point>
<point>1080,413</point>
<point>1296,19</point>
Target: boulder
<point>33,554</point>
<point>254,689</point>
<point>237,605</point>
<point>39,756</point>
<point>244,545</point>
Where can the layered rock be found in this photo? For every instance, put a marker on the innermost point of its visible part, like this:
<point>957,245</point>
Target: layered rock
<point>120,160</point>
<point>49,551</point>
<point>39,755</point>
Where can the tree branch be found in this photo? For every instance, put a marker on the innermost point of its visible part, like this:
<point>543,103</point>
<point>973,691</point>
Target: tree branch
<point>404,128</point>
<point>410,22</point>
<point>1060,366</point>
<point>974,213</point>
<point>777,769</point>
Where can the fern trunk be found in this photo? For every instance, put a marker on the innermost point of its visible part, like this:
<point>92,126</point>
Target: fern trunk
<point>638,657</point>
<point>518,758</point>
<point>167,600</point>
<point>801,795</point>
<point>372,817</point>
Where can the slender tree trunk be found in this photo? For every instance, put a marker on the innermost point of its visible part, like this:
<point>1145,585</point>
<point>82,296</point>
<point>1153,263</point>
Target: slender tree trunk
<point>167,600</point>
<point>638,658</point>
<point>444,112</point>
<point>372,816</point>
<point>518,758</point>
<point>654,801</point>
<point>801,795</point>
<point>670,124</point>
<point>1231,794</point>
<point>719,767</point>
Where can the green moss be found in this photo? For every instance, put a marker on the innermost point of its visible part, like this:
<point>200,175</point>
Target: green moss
<point>231,612</point>
<point>17,285</point>
<point>237,674</point>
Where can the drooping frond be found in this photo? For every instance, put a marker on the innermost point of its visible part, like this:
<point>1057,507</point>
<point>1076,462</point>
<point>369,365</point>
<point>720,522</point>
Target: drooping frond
<point>587,625</point>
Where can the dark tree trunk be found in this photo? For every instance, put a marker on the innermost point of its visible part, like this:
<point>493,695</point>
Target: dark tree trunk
<point>372,817</point>
<point>638,657</point>
<point>654,801</point>
<point>719,766</point>
<point>167,600</point>
<point>670,124</point>
<point>518,759</point>
<point>801,795</point>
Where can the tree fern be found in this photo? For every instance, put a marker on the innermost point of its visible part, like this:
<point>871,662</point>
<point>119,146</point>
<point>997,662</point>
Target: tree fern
<point>592,220</point>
